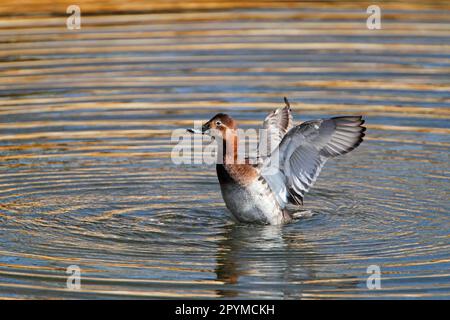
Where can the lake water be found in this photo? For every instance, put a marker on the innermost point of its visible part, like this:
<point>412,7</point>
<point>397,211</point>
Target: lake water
<point>86,177</point>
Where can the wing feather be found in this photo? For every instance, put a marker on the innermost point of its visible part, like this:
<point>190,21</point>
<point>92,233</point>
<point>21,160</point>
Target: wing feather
<point>276,125</point>
<point>296,163</point>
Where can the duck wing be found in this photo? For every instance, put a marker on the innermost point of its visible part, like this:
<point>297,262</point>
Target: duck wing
<point>294,166</point>
<point>276,125</point>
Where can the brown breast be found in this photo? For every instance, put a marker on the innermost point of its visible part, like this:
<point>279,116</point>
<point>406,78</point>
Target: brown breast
<point>243,174</point>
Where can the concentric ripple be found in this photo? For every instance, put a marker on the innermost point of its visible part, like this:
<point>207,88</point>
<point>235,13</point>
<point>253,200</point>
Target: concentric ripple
<point>87,179</point>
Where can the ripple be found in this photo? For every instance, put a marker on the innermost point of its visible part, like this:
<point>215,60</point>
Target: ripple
<point>86,119</point>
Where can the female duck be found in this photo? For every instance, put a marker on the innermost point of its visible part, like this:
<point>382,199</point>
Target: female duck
<point>259,193</point>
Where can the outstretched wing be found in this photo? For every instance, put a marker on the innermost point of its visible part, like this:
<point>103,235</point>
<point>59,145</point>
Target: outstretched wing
<point>276,125</point>
<point>295,165</point>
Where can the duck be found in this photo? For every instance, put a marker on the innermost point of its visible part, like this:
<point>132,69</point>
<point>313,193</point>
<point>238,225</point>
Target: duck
<point>287,166</point>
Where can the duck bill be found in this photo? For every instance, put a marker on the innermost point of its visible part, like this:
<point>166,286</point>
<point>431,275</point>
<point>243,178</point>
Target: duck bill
<point>205,130</point>
<point>194,131</point>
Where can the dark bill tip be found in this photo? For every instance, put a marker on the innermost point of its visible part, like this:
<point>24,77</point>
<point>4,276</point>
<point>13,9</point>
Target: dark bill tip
<point>190,130</point>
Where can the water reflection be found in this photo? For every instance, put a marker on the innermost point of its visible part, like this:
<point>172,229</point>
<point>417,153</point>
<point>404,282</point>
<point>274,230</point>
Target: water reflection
<point>244,250</point>
<point>283,265</point>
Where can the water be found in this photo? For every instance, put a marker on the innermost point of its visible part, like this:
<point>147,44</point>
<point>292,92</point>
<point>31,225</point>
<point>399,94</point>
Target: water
<point>86,176</point>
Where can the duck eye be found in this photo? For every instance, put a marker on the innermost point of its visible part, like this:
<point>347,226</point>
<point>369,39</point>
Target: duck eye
<point>218,123</point>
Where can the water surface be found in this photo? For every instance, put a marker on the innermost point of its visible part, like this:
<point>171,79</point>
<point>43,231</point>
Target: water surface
<point>85,139</point>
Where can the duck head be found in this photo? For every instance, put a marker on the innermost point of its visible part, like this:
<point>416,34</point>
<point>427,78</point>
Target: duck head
<point>223,127</point>
<point>221,124</point>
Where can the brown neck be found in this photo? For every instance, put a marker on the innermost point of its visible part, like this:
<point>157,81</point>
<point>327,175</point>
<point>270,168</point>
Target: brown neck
<point>230,147</point>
